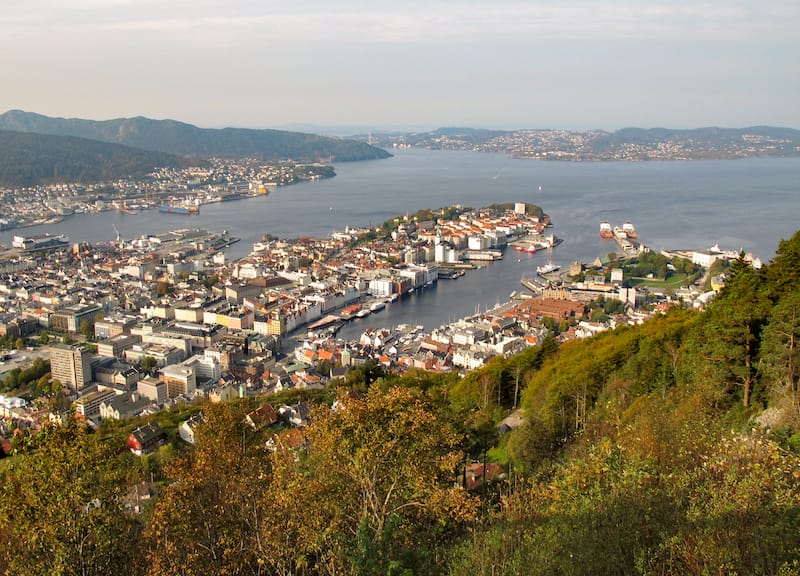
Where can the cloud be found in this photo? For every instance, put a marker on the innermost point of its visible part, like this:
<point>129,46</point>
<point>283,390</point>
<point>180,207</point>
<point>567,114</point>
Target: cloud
<point>436,21</point>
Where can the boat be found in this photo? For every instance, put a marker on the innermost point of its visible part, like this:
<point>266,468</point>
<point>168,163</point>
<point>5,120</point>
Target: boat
<point>519,248</point>
<point>484,255</point>
<point>605,230</point>
<point>363,313</point>
<point>547,268</point>
<point>350,311</point>
<point>377,306</point>
<point>178,209</point>
<point>40,242</point>
<point>530,249</point>
<point>629,230</point>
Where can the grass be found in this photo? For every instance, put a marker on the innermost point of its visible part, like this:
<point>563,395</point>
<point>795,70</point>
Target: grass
<point>674,281</point>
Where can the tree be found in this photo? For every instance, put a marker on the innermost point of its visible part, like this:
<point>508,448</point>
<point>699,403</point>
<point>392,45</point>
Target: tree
<point>733,326</point>
<point>148,363</point>
<point>19,343</point>
<point>208,518</point>
<point>44,338</point>
<point>373,491</point>
<point>781,343</point>
<point>63,509</point>
<point>87,329</point>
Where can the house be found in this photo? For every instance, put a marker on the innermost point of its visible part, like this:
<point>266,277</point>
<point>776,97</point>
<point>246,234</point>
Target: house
<point>187,428</point>
<point>261,417</point>
<point>476,473</point>
<point>145,439</point>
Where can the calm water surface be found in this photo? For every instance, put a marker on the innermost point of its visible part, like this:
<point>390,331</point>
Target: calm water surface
<point>750,204</point>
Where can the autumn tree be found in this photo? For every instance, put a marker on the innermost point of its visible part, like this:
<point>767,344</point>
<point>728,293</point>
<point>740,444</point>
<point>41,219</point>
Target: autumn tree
<point>63,506</point>
<point>207,518</point>
<point>373,492</point>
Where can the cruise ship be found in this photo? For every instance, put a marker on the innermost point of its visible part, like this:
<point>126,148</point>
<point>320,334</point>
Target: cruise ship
<point>40,242</point>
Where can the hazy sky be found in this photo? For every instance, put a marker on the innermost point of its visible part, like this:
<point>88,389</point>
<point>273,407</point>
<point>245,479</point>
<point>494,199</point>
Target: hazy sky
<point>379,63</point>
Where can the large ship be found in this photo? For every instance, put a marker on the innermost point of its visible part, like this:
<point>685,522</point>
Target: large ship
<point>178,209</point>
<point>605,230</point>
<point>629,230</point>
<point>40,242</point>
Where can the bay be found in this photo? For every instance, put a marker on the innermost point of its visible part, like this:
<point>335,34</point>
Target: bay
<point>746,204</point>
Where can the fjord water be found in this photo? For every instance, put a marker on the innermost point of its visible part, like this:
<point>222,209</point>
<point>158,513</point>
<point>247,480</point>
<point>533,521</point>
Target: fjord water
<point>750,204</point>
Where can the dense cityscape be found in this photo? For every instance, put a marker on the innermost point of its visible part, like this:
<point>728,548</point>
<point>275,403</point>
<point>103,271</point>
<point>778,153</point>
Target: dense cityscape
<point>163,319</point>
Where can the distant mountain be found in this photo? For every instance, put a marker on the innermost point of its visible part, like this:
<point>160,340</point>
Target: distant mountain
<point>28,159</point>
<point>184,139</point>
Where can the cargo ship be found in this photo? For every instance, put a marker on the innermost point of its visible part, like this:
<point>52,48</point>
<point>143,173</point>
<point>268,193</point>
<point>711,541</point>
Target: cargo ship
<point>605,230</point>
<point>172,209</point>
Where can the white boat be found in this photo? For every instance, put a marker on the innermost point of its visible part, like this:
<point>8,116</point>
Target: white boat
<point>547,268</point>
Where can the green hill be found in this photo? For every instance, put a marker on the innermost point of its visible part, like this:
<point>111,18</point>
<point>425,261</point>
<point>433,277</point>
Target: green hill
<point>28,159</point>
<point>183,139</point>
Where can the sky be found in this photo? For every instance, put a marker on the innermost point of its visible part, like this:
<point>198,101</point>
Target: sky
<point>379,64</point>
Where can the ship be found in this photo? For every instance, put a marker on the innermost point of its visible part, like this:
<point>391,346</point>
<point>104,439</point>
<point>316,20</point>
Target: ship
<point>40,242</point>
<point>629,230</point>
<point>605,230</point>
<point>350,311</point>
<point>178,209</point>
<point>547,268</point>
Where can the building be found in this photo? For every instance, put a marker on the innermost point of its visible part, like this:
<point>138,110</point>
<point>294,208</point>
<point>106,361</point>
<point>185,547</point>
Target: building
<point>152,389</point>
<point>89,405</point>
<point>145,439</point>
<point>116,345</point>
<point>113,326</point>
<point>70,318</point>
<point>123,406</point>
<point>70,365</point>
<point>181,380</point>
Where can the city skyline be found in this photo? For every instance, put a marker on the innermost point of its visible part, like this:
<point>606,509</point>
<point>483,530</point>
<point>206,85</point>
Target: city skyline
<point>512,64</point>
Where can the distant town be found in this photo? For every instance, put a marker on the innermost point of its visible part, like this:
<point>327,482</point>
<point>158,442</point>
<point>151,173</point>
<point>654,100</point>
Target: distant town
<point>135,326</point>
<point>630,144</point>
<point>169,189</point>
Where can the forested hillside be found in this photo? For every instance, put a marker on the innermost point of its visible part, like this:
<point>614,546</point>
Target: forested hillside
<point>670,448</point>
<point>183,139</point>
<point>28,159</point>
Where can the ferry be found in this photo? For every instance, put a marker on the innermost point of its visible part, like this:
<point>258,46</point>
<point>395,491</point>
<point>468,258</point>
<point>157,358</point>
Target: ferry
<point>177,209</point>
<point>629,230</point>
<point>547,268</point>
<point>605,230</point>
